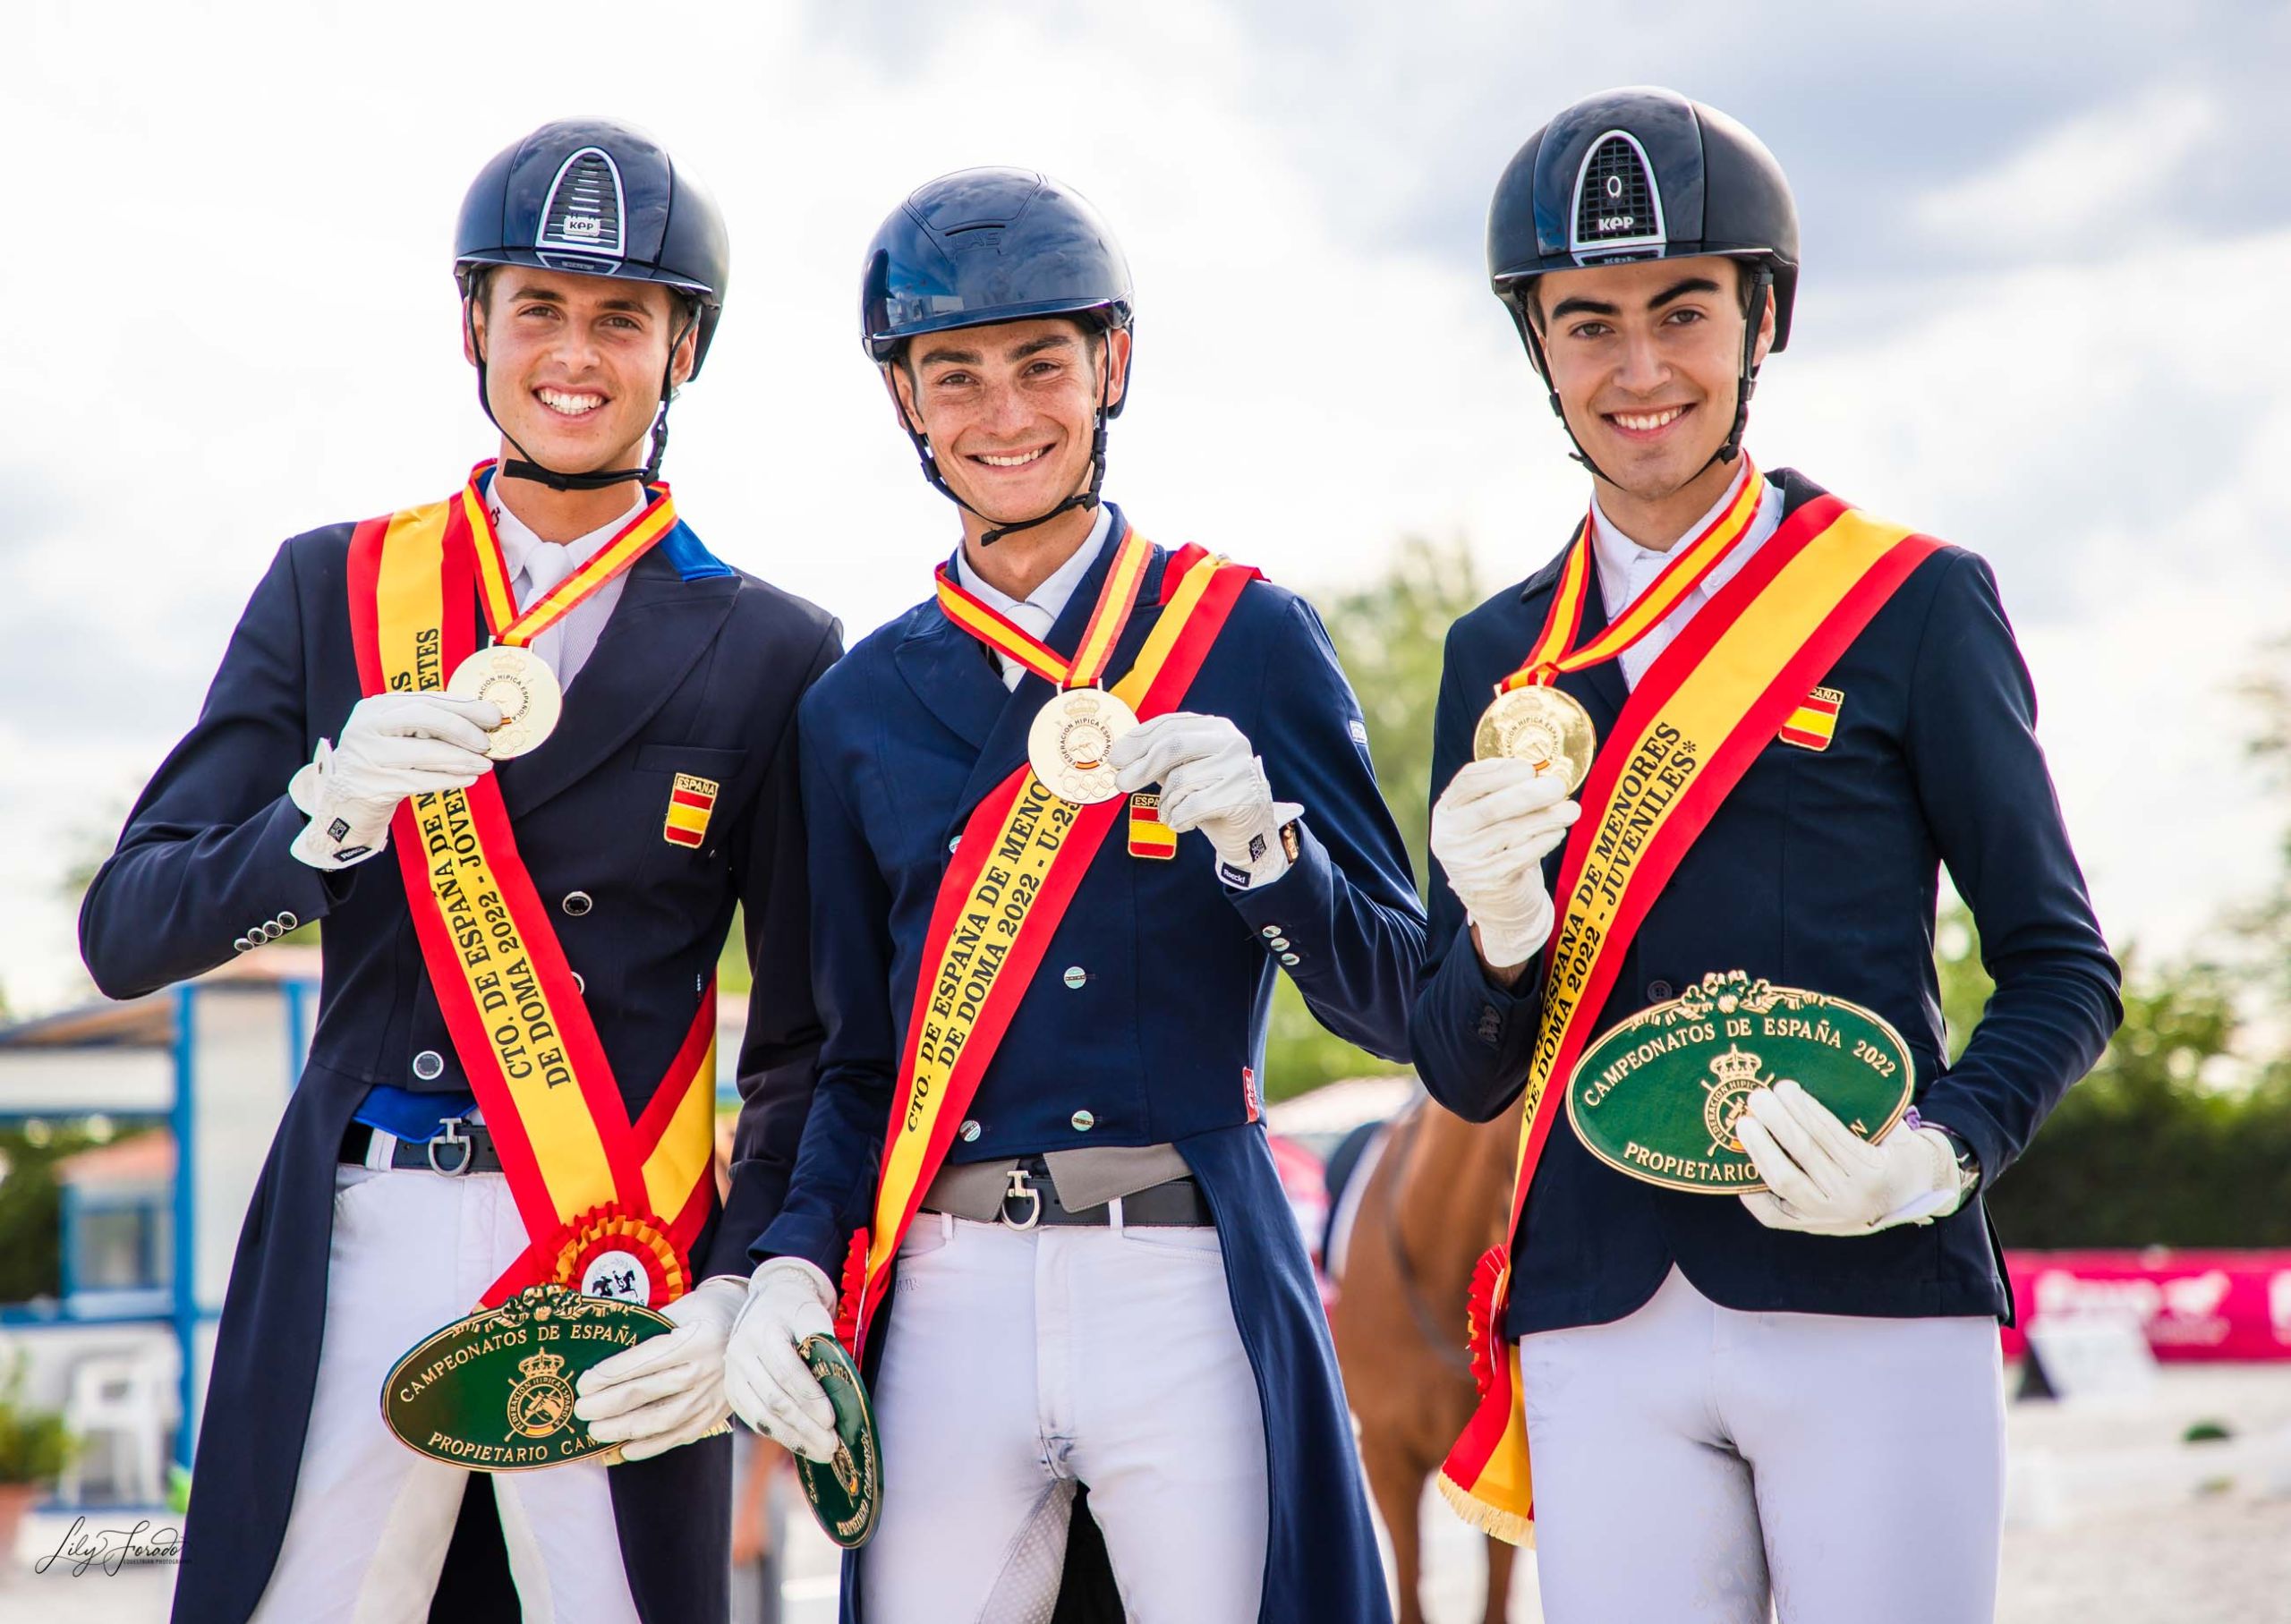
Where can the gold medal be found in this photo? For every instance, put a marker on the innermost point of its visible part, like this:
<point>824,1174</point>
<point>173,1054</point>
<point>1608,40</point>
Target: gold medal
<point>1542,725</point>
<point>1070,739</point>
<point>519,682</point>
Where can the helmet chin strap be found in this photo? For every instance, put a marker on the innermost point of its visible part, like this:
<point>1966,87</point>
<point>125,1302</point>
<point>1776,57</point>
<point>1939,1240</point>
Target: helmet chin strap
<point>1755,288</point>
<point>1083,499</point>
<point>522,467</point>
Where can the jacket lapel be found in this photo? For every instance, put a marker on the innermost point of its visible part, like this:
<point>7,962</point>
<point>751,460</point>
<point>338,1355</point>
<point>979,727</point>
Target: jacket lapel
<point>658,633</point>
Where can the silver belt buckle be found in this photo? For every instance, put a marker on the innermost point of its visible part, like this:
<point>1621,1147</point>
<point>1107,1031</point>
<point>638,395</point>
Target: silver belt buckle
<point>452,1136</point>
<point>1021,1189</point>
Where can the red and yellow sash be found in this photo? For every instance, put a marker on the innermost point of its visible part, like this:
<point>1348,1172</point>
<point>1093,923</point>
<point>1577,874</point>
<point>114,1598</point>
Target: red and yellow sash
<point>1690,566</point>
<point>600,1196</point>
<point>1710,703</point>
<point>1020,860</point>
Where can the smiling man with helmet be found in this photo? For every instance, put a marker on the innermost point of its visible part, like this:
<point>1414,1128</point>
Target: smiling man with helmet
<point>476,1119</point>
<point>1701,770</point>
<point>1034,1187</point>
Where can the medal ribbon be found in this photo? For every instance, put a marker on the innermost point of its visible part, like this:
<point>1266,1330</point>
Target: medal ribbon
<point>586,1180</point>
<point>616,557</point>
<point>1709,704</point>
<point>1021,858</point>
<point>1013,642</point>
<point>1690,566</point>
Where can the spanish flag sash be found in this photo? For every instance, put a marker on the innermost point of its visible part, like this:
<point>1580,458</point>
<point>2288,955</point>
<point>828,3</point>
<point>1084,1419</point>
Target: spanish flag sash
<point>1016,867</point>
<point>610,1206</point>
<point>1703,711</point>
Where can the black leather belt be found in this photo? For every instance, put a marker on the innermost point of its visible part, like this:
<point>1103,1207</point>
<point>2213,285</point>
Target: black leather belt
<point>460,1147</point>
<point>1031,1202</point>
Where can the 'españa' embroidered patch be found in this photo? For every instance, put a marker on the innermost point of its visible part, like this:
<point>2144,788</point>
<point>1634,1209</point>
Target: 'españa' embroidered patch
<point>690,802</point>
<point>1149,836</point>
<point>1814,723</point>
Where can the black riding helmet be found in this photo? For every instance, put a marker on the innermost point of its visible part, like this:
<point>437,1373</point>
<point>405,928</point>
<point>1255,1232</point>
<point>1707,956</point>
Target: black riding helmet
<point>982,246</point>
<point>593,197</point>
<point>1642,173</point>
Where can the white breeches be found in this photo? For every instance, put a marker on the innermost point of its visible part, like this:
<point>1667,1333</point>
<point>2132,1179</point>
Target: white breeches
<point>414,1250</point>
<point>1018,1364</point>
<point>1694,1464</point>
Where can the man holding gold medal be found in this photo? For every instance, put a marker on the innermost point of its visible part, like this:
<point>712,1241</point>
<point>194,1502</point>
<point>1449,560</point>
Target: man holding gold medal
<point>523,750</point>
<point>1070,816</point>
<point>1694,784</point>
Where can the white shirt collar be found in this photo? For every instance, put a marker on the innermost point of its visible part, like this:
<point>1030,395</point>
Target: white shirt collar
<point>1047,602</point>
<point>518,539</point>
<point>1623,558</point>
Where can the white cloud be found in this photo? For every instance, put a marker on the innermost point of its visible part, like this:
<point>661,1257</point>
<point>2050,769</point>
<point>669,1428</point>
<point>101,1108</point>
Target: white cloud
<point>2088,182</point>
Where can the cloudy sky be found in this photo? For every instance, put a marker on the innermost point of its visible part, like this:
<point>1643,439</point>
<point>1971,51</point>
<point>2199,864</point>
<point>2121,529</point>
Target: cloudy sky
<point>2045,253</point>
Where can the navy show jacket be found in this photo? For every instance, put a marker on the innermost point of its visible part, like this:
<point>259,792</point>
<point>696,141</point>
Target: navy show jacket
<point>1821,871</point>
<point>698,670</point>
<point>1145,1022</point>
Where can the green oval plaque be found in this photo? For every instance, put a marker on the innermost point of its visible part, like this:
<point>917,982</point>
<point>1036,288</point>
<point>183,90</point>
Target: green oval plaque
<point>847,1493</point>
<point>494,1392</point>
<point>1657,1096</point>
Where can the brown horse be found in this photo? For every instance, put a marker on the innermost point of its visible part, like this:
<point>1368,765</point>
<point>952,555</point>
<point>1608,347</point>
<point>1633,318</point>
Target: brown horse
<point>1435,1199</point>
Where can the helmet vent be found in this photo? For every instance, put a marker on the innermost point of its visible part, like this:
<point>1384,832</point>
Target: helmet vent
<point>584,209</point>
<point>1618,211</point>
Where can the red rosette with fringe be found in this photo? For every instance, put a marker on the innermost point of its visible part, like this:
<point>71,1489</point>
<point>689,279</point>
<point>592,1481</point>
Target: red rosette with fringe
<point>1480,1307</point>
<point>611,1252</point>
<point>855,1281</point>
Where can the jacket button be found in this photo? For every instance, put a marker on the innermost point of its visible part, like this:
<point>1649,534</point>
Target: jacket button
<point>578,984</point>
<point>1659,990</point>
<point>577,903</point>
<point>240,944</point>
<point>287,922</point>
<point>1083,1122</point>
<point>1289,958</point>
<point>1076,977</point>
<point>1270,931</point>
<point>428,1066</point>
<point>1279,944</point>
<point>952,842</point>
<point>970,1131</point>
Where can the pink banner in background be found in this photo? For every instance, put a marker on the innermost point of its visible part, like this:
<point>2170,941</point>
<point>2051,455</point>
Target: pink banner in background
<point>2193,1305</point>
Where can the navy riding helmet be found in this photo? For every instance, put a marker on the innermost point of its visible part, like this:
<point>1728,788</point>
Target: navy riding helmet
<point>1642,173</point>
<point>593,197</point>
<point>985,245</point>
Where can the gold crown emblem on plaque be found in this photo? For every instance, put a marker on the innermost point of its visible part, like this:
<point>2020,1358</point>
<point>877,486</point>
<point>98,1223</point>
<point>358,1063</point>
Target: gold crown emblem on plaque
<point>541,1366</point>
<point>1737,1067</point>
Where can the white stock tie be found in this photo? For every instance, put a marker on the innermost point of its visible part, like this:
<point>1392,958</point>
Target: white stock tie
<point>546,564</point>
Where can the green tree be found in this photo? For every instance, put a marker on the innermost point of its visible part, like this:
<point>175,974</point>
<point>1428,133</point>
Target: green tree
<point>1390,633</point>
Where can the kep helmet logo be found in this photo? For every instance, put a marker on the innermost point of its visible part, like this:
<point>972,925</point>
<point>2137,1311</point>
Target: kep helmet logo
<point>585,206</point>
<point>1618,209</point>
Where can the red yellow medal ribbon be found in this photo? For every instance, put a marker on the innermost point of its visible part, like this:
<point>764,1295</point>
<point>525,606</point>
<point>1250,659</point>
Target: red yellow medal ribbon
<point>1021,858</point>
<point>1013,642</point>
<point>1690,564</point>
<point>1691,730</point>
<point>603,1198</point>
<point>616,557</point>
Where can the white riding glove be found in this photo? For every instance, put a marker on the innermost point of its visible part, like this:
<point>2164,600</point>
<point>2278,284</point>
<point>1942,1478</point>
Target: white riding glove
<point>1821,1178</point>
<point>767,1381</point>
<point>1491,830</point>
<point>394,745</point>
<point>668,1389</point>
<point>1212,781</point>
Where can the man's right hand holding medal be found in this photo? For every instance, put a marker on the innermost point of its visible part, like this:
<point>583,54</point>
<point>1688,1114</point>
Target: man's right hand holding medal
<point>1491,830</point>
<point>394,745</point>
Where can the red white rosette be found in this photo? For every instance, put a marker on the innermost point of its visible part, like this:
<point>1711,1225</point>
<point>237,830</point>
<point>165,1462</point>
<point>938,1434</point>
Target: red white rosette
<point>611,1251</point>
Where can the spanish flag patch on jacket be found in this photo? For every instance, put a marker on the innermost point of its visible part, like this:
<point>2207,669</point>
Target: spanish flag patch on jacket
<point>1149,836</point>
<point>1814,723</point>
